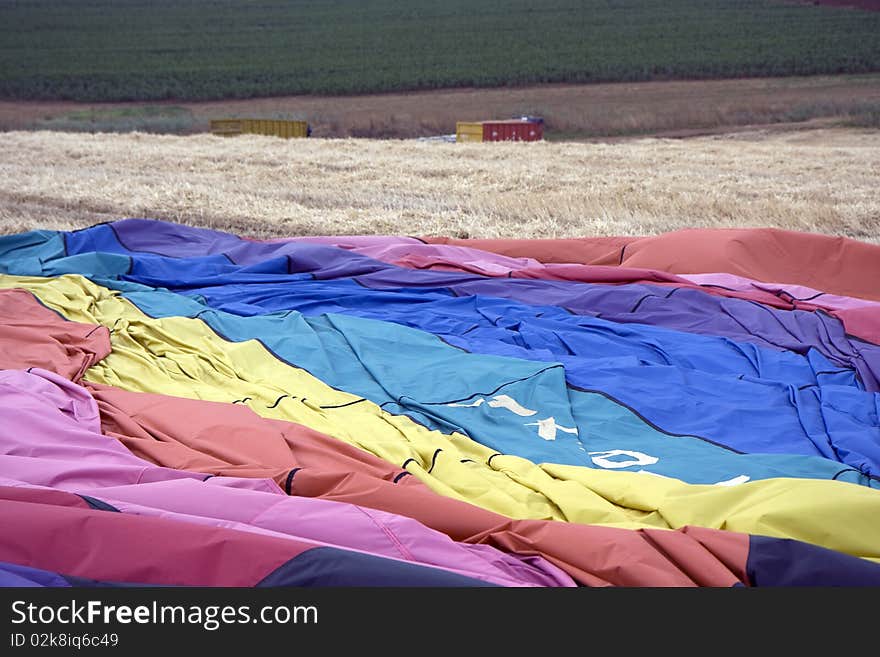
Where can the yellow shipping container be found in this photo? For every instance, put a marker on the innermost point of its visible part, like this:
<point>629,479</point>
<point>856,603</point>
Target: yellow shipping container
<point>468,131</point>
<point>226,127</point>
<point>269,127</point>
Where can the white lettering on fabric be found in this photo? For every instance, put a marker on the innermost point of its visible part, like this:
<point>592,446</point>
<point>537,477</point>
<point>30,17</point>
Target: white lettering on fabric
<point>503,401</point>
<point>476,404</point>
<point>603,459</point>
<point>547,428</point>
<point>500,401</point>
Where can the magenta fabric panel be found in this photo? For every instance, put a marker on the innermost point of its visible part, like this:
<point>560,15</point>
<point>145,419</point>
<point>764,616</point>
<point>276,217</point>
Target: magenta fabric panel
<point>797,292</point>
<point>118,547</point>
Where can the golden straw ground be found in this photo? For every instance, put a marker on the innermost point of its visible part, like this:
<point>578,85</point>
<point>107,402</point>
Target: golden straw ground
<point>819,180</point>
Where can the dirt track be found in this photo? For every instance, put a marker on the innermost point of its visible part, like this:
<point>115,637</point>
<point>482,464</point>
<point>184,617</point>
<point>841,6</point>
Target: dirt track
<point>572,111</point>
<point>870,5</point>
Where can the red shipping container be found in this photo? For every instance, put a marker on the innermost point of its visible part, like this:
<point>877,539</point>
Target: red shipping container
<point>512,131</point>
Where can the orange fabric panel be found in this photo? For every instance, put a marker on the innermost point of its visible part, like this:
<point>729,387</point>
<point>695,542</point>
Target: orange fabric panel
<point>832,264</point>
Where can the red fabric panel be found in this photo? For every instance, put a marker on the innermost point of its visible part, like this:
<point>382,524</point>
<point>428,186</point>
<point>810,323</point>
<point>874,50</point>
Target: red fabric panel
<point>118,547</point>
<point>39,496</point>
<point>226,439</point>
<point>727,548</point>
<point>31,335</point>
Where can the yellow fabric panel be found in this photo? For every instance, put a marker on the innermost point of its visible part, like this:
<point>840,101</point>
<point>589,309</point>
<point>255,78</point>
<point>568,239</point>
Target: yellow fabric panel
<point>185,358</point>
<point>834,514</point>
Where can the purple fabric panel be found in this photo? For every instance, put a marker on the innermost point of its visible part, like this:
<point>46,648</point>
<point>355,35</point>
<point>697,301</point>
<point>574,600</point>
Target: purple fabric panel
<point>51,430</point>
<point>87,469</point>
<point>246,483</point>
<point>23,577</point>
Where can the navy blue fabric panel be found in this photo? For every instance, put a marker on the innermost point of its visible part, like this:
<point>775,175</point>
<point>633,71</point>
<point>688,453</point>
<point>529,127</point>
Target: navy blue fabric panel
<point>785,562</point>
<point>24,576</point>
<point>99,504</point>
<point>327,566</point>
<point>94,583</point>
<point>15,575</point>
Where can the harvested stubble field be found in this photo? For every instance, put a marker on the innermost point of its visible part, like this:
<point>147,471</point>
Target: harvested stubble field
<point>813,180</point>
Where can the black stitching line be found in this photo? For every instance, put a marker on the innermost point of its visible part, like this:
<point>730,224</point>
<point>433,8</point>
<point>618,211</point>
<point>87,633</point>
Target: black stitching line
<point>94,329</point>
<point>486,394</point>
<point>277,401</point>
<point>867,475</point>
<point>351,403</point>
<point>651,424</point>
<point>434,460</point>
<point>289,480</point>
<point>652,294</point>
<point>100,223</point>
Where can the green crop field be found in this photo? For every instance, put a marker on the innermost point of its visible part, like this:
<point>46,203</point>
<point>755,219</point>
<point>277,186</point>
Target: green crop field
<point>206,49</point>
